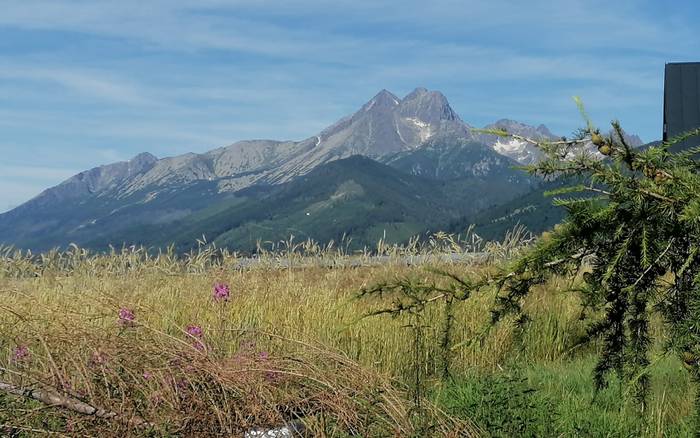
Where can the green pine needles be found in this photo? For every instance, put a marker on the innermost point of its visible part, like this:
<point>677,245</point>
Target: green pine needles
<point>632,231</point>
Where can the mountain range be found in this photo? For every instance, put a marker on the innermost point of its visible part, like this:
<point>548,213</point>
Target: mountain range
<point>395,168</point>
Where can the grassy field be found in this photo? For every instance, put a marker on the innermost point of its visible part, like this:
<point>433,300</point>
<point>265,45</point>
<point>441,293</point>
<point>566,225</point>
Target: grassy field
<point>146,340</point>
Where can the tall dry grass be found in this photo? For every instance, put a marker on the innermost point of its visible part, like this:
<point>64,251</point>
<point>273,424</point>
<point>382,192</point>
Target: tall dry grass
<point>286,345</point>
<point>290,342</point>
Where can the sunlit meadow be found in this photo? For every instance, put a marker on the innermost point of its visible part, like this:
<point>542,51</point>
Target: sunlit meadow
<point>210,343</point>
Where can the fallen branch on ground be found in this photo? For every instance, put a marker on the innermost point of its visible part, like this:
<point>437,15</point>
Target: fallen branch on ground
<point>52,398</point>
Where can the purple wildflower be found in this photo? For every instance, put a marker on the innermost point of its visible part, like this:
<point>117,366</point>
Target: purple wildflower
<point>195,331</point>
<point>126,317</point>
<point>147,375</point>
<point>21,354</point>
<point>199,345</point>
<point>264,355</point>
<point>221,292</point>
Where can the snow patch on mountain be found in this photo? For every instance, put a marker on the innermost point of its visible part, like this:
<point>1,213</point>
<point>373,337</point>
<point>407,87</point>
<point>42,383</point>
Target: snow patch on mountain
<point>509,146</point>
<point>424,129</point>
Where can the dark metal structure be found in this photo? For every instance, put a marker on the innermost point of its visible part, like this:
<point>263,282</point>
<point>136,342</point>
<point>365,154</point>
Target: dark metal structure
<point>682,101</point>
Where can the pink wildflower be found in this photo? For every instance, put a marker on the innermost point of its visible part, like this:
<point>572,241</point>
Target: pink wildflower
<point>21,354</point>
<point>195,331</point>
<point>126,317</point>
<point>264,355</point>
<point>221,292</point>
<point>147,375</point>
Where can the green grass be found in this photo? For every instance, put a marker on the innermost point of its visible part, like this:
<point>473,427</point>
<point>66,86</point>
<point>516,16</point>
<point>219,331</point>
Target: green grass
<point>558,399</point>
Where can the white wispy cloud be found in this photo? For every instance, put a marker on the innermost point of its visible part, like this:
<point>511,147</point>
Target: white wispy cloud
<point>176,25</point>
<point>94,84</point>
<point>185,25</point>
<point>564,27</point>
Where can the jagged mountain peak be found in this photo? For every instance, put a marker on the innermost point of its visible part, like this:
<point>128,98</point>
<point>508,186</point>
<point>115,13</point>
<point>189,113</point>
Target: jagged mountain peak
<point>102,177</point>
<point>385,125</point>
<point>544,130</point>
<point>428,106</point>
<point>507,123</point>
<point>383,100</point>
<point>144,157</point>
<point>418,91</point>
<point>93,182</point>
<point>422,92</point>
<point>141,162</point>
<point>517,127</point>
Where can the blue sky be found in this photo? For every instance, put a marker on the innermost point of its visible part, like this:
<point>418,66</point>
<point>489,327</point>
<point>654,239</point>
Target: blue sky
<point>84,83</point>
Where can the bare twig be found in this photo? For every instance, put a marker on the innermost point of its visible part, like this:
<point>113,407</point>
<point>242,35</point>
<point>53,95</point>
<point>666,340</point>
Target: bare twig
<point>540,142</point>
<point>528,139</point>
<point>656,195</point>
<point>593,189</point>
<point>52,398</point>
<point>560,261</point>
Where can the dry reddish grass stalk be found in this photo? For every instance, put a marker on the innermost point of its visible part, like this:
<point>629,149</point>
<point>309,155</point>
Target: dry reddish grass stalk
<point>138,379</point>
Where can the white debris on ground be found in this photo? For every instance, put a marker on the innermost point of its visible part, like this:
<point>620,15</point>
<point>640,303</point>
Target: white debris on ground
<point>270,433</point>
<point>295,429</point>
